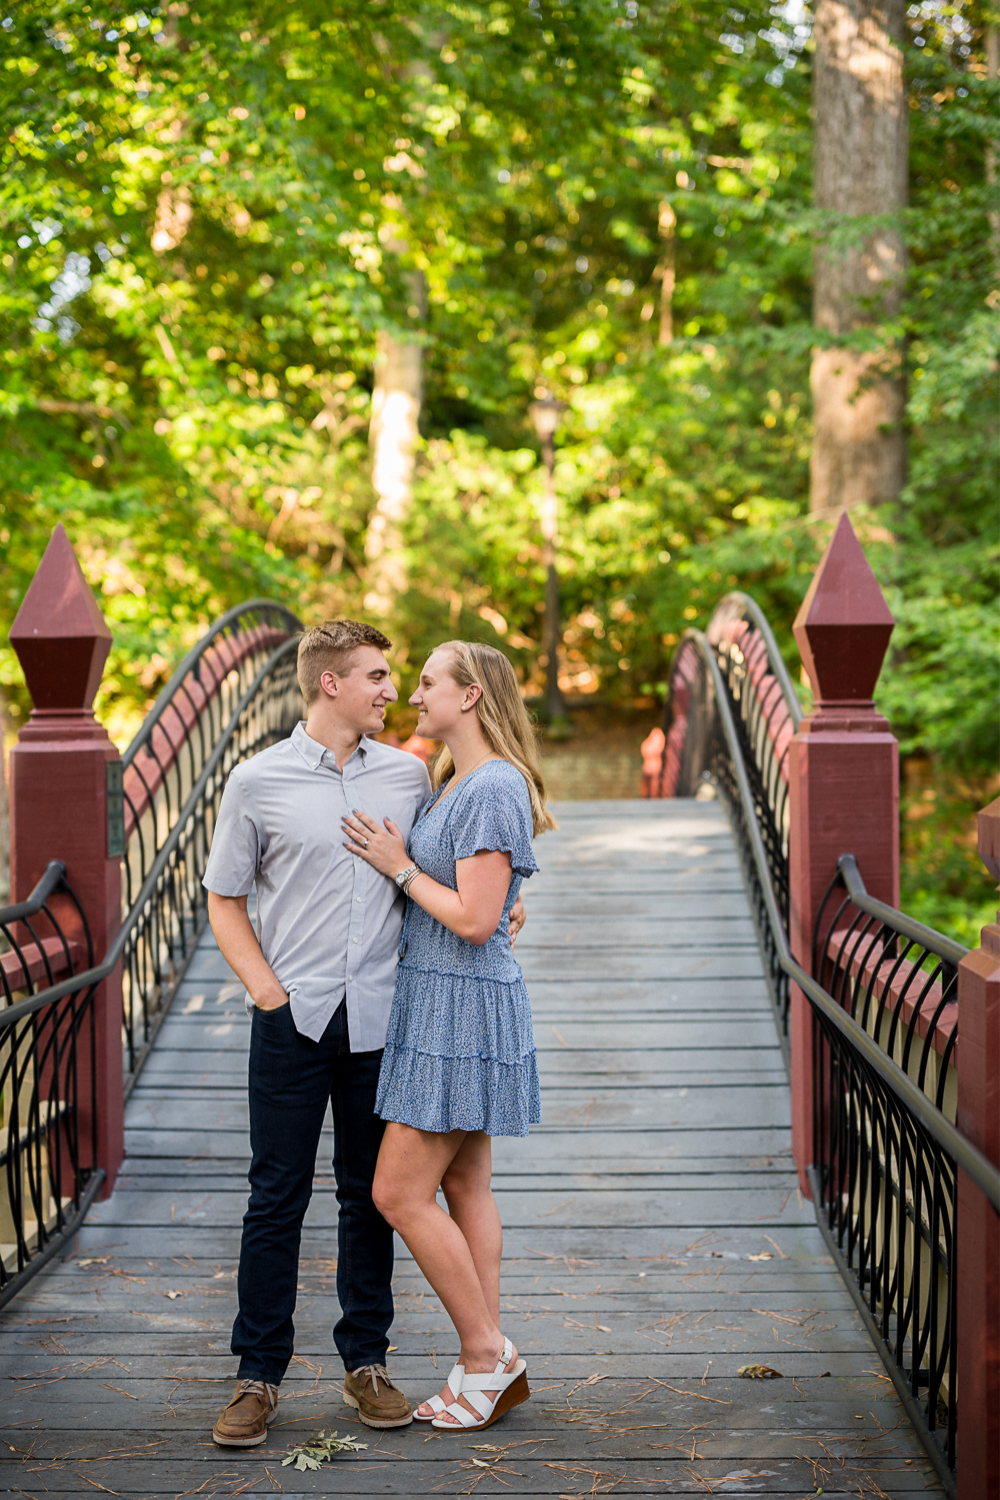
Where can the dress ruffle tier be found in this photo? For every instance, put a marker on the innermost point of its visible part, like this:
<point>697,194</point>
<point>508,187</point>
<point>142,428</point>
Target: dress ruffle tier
<point>460,1055</point>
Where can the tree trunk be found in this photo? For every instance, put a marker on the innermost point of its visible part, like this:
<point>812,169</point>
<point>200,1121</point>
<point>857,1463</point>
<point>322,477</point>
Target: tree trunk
<point>392,440</point>
<point>666,271</point>
<point>860,170</point>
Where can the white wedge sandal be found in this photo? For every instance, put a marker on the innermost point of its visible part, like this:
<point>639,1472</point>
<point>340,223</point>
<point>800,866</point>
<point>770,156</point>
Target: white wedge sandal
<point>511,1388</point>
<point>437,1406</point>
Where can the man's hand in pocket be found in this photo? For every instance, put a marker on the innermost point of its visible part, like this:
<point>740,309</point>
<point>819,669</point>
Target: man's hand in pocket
<point>518,917</point>
<point>272,1002</point>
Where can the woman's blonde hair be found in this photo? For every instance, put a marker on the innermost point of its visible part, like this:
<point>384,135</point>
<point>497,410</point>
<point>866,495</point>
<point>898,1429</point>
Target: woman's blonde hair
<point>503,719</point>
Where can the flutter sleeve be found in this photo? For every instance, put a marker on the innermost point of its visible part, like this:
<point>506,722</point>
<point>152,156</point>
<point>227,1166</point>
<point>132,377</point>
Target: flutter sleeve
<point>496,814</point>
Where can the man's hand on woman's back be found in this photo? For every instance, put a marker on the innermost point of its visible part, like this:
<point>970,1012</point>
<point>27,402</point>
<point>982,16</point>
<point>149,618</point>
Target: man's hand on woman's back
<point>518,916</point>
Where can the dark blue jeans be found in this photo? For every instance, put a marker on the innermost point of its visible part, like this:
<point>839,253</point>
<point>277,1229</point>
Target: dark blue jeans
<point>291,1081</point>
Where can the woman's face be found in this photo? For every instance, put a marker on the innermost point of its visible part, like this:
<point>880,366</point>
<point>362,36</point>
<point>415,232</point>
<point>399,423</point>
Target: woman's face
<point>438,698</point>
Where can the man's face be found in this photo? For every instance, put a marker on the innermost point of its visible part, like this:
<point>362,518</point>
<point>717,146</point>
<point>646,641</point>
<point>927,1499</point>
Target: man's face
<point>362,695</point>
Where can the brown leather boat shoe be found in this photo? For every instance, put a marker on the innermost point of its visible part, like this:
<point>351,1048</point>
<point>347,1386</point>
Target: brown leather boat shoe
<point>245,1421</point>
<point>377,1401</point>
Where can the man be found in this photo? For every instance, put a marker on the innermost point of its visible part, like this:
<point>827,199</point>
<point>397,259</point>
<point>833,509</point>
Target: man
<point>319,973</point>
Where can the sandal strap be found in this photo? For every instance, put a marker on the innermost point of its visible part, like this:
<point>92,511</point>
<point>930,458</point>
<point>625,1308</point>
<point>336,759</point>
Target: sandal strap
<point>465,1418</point>
<point>492,1382</point>
<point>482,1403</point>
<point>499,1380</point>
<point>454,1384</point>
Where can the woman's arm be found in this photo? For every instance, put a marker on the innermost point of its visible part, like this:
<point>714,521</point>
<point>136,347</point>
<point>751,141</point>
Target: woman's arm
<point>472,912</point>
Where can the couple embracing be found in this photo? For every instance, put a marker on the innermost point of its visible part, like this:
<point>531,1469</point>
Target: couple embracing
<point>357,856</point>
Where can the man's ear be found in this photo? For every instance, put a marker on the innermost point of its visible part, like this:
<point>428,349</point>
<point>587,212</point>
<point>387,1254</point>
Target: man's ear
<point>329,684</point>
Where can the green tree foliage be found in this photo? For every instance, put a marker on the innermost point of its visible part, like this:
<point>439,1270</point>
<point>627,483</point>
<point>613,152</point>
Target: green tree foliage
<point>208,211</point>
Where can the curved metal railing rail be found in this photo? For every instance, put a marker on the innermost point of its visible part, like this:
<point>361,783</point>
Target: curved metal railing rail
<point>765,711</point>
<point>48,1106</point>
<point>159,770</point>
<point>882,996</point>
<point>232,696</point>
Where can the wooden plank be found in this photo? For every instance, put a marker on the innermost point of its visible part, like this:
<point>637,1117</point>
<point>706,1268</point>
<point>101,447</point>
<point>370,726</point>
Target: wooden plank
<point>664,1069</point>
<point>164,1175</point>
<point>614,964</point>
<point>382,1471</point>
<point>568,1147</point>
<point>589,1044</point>
<point>660,929</point>
<point>681,905</point>
<point>633,996</point>
<point>706,1207</point>
<point>543,1241</point>
<point>694,1108</point>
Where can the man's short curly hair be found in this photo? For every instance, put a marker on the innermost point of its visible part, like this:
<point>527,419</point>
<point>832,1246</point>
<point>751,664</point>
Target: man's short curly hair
<point>330,647</point>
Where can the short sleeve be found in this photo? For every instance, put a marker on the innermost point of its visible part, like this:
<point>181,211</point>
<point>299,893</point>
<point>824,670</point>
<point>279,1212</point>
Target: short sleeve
<point>234,857</point>
<point>497,816</point>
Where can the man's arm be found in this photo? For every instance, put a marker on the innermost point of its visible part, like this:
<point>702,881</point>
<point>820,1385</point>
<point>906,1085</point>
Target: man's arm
<point>239,947</point>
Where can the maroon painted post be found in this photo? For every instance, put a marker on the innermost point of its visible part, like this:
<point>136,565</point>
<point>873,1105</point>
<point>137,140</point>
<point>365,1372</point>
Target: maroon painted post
<point>843,777</point>
<point>58,800</point>
<point>978,1297</point>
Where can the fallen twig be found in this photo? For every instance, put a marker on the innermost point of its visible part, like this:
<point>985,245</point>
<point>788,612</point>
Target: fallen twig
<point>696,1394</point>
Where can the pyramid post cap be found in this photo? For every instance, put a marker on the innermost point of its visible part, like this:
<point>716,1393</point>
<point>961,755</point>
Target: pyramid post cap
<point>60,636</point>
<point>844,624</point>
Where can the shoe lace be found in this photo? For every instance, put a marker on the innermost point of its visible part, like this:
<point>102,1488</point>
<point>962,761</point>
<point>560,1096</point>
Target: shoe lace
<point>259,1388</point>
<point>375,1373</point>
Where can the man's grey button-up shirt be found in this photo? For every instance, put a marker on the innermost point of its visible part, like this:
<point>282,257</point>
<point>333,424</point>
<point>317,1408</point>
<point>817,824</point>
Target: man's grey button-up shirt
<point>279,827</point>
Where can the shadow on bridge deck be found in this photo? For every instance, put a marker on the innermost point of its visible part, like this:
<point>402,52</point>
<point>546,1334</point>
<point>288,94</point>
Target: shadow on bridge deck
<point>655,1240</point>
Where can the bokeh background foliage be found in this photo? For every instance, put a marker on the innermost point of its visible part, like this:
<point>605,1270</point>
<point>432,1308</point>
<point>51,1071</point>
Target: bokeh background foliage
<point>209,213</point>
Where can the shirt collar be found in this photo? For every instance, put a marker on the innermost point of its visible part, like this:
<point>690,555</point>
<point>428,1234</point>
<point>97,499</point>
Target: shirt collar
<point>315,755</point>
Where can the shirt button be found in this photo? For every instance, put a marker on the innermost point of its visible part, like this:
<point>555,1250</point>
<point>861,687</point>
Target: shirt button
<point>353,940</point>
<point>360,899</point>
<point>350,978</point>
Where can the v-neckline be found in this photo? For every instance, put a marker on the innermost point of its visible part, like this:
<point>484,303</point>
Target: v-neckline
<point>444,795</point>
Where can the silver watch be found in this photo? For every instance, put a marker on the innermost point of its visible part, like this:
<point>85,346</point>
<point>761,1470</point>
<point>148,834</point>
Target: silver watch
<point>404,877</point>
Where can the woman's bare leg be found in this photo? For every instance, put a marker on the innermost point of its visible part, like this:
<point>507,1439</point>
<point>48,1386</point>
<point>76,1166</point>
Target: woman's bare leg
<point>412,1165</point>
<point>469,1195</point>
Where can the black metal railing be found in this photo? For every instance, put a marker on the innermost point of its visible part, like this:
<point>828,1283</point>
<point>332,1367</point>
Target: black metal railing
<point>884,1185</point>
<point>232,696</point>
<point>882,996</point>
<point>48,1105</point>
<point>749,672</point>
<point>168,824</point>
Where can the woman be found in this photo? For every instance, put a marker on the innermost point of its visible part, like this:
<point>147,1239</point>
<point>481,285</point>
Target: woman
<point>459,1063</point>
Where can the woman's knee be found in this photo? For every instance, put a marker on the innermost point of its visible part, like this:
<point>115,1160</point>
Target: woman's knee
<point>388,1197</point>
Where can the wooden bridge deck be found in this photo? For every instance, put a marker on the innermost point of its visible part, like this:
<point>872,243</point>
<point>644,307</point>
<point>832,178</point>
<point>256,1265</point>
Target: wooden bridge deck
<point>655,1240</point>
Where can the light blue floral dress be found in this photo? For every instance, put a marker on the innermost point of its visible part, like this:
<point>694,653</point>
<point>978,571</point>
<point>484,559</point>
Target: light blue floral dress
<point>460,1053</point>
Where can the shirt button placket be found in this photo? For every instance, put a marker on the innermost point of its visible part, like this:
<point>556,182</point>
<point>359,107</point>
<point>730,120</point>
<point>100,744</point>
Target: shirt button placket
<point>357,918</point>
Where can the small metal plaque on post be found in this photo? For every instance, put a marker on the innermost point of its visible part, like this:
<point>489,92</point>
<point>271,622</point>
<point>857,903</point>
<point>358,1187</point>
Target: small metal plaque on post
<point>116,810</point>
